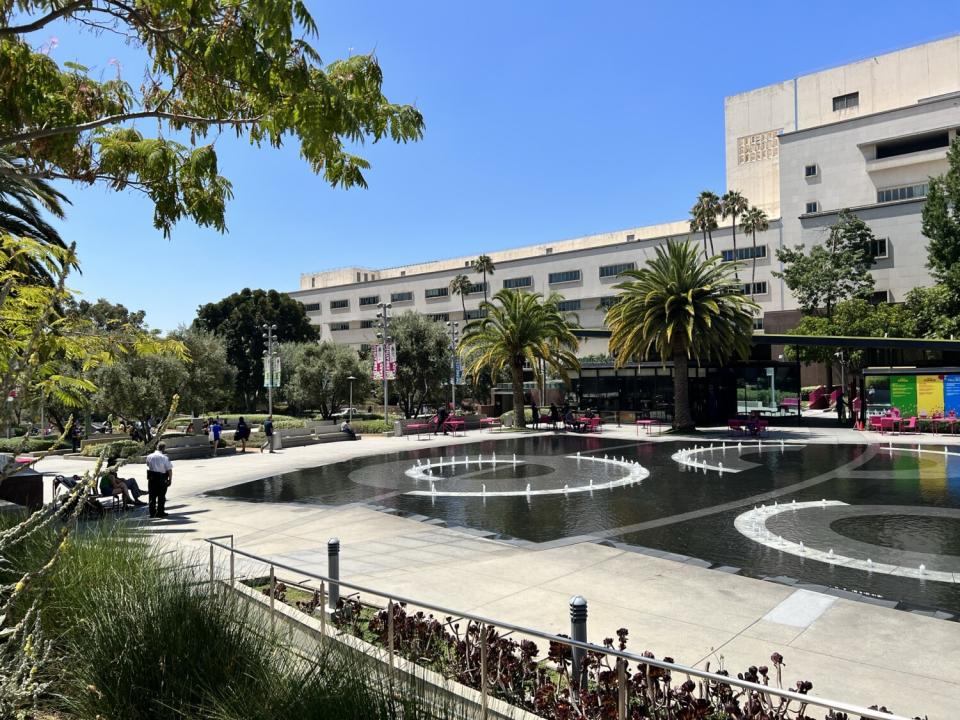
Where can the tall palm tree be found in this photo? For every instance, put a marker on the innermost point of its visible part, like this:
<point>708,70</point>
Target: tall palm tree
<point>461,286</point>
<point>680,308</point>
<point>732,204</point>
<point>698,226</point>
<point>23,199</point>
<point>706,209</point>
<point>484,264</point>
<point>519,328</point>
<point>754,221</point>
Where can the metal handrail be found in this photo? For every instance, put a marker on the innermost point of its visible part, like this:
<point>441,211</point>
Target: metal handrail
<point>864,713</point>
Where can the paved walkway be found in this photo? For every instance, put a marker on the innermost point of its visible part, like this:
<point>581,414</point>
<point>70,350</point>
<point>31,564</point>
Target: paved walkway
<point>850,650</point>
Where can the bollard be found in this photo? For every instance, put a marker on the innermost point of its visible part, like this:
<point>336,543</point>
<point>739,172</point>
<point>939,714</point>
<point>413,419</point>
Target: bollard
<point>333,572</point>
<point>578,632</point>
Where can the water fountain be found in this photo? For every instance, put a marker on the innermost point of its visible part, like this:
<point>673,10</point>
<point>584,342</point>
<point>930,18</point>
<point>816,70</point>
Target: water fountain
<point>483,487</point>
<point>830,554</point>
<point>494,458</point>
<point>869,565</point>
<point>433,488</point>
<point>801,547</point>
<point>923,568</point>
<point>514,459</point>
<point>739,446</point>
<point>565,488</point>
<point>720,468</point>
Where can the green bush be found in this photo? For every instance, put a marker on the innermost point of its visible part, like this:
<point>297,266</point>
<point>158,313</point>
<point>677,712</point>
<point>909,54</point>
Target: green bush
<point>118,449</point>
<point>255,419</point>
<point>12,445</point>
<point>371,426</point>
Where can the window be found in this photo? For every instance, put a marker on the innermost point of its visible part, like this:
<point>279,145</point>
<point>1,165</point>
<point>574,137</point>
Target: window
<point>364,348</point>
<point>845,102</point>
<point>759,288</point>
<point>812,207</point>
<point>477,288</point>
<point>519,282</point>
<point>313,282</point>
<point>339,304</point>
<point>336,327</point>
<point>878,249</point>
<point>631,237</point>
<point>311,307</point>
<point>568,305</point>
<point>811,171</point>
<point>607,302</point>
<point>564,277</point>
<point>439,292</point>
<point>466,263</point>
<point>369,300</point>
<point>607,271</point>
<point>475,314</point>
<point>915,143</point>
<point>365,277</point>
<point>904,192</point>
<point>880,296</point>
<point>366,324</point>
<point>758,323</point>
<point>358,277</point>
<point>403,273</point>
<point>439,317</point>
<point>745,253</point>
<point>549,251</point>
<point>406,296</point>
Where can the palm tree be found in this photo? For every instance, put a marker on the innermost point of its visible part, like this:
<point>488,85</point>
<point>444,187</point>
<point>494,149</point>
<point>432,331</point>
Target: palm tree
<point>484,264</point>
<point>461,285</point>
<point>22,202</point>
<point>697,226</point>
<point>680,308</point>
<point>706,210</point>
<point>519,328</point>
<point>733,203</point>
<point>754,221</point>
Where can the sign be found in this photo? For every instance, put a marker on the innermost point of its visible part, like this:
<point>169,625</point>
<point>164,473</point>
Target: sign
<point>391,362</point>
<point>275,376</point>
<point>951,394</point>
<point>458,372</point>
<point>903,394</point>
<point>930,394</point>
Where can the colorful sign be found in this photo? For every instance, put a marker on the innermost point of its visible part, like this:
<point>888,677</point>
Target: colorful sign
<point>272,379</point>
<point>903,394</point>
<point>951,394</point>
<point>930,395</point>
<point>391,364</point>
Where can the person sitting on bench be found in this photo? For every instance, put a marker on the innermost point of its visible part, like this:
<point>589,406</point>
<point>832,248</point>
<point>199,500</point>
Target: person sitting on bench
<point>112,484</point>
<point>345,428</point>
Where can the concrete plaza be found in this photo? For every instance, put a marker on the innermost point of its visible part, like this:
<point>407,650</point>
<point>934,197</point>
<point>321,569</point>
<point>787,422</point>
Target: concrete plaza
<point>850,650</point>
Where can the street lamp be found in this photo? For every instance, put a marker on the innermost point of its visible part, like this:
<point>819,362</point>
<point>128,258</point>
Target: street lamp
<point>268,356</point>
<point>384,317</point>
<point>454,336</point>
<point>351,378</point>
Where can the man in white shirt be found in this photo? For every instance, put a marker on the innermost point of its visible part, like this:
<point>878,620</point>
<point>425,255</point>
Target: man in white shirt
<point>159,477</point>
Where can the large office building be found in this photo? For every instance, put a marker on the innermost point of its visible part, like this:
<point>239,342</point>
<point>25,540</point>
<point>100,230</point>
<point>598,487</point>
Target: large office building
<point>865,136</point>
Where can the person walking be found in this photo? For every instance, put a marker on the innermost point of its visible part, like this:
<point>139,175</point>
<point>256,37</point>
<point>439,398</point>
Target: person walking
<point>75,436</point>
<point>242,433</point>
<point>159,478</point>
<point>268,431</point>
<point>442,415</point>
<point>535,413</point>
<point>215,430</point>
<point>554,415</point>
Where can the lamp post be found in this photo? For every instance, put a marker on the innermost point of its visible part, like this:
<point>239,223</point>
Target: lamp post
<point>384,317</point>
<point>268,356</point>
<point>454,337</point>
<point>350,408</point>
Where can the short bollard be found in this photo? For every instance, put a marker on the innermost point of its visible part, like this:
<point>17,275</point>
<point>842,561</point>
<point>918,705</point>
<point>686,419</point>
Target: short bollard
<point>578,632</point>
<point>333,572</point>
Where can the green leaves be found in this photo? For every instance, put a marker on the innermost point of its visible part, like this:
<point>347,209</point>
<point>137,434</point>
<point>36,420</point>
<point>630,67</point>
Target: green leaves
<point>941,223</point>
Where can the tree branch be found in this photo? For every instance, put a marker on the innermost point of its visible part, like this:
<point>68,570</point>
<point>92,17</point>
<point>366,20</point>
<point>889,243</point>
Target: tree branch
<point>43,21</point>
<point>123,117</point>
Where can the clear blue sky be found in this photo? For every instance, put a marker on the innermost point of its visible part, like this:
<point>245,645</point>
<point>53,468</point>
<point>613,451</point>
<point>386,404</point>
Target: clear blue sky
<point>544,120</point>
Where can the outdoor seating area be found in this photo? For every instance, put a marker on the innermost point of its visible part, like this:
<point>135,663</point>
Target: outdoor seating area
<point>752,425</point>
<point>894,423</point>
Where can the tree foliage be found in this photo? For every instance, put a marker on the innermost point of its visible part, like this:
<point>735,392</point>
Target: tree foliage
<point>209,66</point>
<point>210,379</point>
<point>484,265</point>
<point>423,362</point>
<point>835,270</point>
<point>703,218</point>
<point>239,320</point>
<point>520,328</point>
<point>941,223</point>
<point>681,308</point>
<point>935,312</point>
<point>316,376</point>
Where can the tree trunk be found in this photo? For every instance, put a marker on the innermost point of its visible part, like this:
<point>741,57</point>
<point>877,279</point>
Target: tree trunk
<point>463,304</point>
<point>518,413</point>
<point>705,255</point>
<point>484,285</point>
<point>736,260</point>
<point>682,419</point>
<point>712,251</point>
<point>753,275</point>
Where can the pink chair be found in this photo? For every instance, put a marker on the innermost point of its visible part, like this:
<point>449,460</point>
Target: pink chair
<point>876,423</point>
<point>887,423</point>
<point>911,425</point>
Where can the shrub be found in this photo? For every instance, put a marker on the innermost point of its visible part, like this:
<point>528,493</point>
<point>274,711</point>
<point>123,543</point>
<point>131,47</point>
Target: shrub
<point>372,426</point>
<point>13,445</point>
<point>118,449</point>
<point>254,418</point>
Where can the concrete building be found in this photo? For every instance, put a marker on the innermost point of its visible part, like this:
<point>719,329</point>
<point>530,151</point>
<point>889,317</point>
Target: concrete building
<point>865,136</point>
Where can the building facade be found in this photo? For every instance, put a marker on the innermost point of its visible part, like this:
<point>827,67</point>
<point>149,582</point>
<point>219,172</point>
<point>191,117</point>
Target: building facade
<point>865,136</point>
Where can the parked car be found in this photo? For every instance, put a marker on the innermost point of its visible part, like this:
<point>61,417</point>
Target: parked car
<point>345,412</point>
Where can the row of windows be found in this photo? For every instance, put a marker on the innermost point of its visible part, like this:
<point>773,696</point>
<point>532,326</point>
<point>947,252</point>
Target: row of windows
<point>475,314</point>
<point>759,288</point>
<point>439,317</point>
<point>564,277</point>
<point>339,304</point>
<point>608,302</point>
<point>405,296</point>
<point>518,282</point>
<point>568,305</point>
<point>614,270</point>
<point>311,307</point>
<point>845,102</point>
<point>745,253</point>
<point>436,292</point>
<point>367,324</point>
<point>334,327</point>
<point>904,192</point>
<point>477,288</point>
<point>369,300</point>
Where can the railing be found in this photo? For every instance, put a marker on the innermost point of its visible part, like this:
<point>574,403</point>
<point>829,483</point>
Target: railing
<point>330,586</point>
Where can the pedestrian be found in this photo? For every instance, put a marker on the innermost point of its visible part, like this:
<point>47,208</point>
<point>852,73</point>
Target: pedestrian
<point>442,415</point>
<point>215,430</point>
<point>159,478</point>
<point>75,436</point>
<point>535,413</point>
<point>554,415</point>
<point>242,433</point>
<point>345,428</point>
<point>268,431</point>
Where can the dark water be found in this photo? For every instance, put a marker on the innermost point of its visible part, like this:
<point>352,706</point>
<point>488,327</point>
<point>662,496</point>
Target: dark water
<point>675,509</point>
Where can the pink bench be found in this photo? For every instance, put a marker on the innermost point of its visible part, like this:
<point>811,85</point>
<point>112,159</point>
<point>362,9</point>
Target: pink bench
<point>489,422</point>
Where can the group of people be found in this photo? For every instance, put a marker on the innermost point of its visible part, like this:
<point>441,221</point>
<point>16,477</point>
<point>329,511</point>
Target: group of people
<point>565,415</point>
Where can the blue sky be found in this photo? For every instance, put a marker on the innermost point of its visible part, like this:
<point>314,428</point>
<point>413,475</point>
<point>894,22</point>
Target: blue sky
<point>544,120</point>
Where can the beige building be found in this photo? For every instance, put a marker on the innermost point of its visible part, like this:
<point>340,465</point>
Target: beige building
<point>865,136</point>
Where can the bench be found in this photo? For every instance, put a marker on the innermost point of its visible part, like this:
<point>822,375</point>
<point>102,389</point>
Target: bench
<point>593,424</point>
<point>790,403</point>
<point>490,423</point>
<point>454,424</point>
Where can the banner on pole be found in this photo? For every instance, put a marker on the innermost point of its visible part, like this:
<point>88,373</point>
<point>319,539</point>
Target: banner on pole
<point>275,378</point>
<point>458,372</point>
<point>390,364</point>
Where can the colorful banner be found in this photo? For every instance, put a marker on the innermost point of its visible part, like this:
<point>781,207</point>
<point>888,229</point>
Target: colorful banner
<point>274,379</point>
<point>903,394</point>
<point>951,394</point>
<point>930,395</point>
<point>391,364</point>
